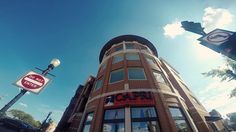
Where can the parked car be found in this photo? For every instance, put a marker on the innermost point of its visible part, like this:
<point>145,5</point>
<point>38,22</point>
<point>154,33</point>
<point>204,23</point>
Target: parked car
<point>15,125</point>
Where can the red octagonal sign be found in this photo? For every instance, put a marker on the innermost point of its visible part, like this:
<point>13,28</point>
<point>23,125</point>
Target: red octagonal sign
<point>32,81</point>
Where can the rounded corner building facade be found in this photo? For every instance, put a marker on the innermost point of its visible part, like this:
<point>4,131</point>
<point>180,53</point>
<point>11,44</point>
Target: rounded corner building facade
<point>135,91</point>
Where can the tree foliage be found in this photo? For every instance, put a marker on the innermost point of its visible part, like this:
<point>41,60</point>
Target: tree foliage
<point>227,73</point>
<point>232,118</point>
<point>21,115</point>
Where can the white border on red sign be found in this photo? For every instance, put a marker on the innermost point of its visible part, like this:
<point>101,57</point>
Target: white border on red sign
<point>36,91</point>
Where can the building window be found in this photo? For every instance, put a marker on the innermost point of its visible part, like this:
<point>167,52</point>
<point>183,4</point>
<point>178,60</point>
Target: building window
<point>129,46</point>
<point>150,60</point>
<point>180,120</point>
<point>159,77</point>
<point>98,84</point>
<point>144,119</point>
<point>136,74</point>
<point>117,58</point>
<point>119,48</point>
<point>117,75</point>
<point>103,66</point>
<point>87,122</point>
<point>144,48</point>
<point>114,120</point>
<point>132,56</point>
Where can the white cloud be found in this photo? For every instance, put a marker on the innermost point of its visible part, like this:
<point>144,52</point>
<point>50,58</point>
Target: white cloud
<point>202,52</point>
<point>23,104</point>
<point>216,18</point>
<point>217,96</point>
<point>212,18</point>
<point>173,29</point>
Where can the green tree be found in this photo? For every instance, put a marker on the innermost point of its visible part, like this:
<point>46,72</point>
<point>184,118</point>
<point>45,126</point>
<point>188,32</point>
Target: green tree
<point>232,118</point>
<point>226,74</point>
<point>21,115</point>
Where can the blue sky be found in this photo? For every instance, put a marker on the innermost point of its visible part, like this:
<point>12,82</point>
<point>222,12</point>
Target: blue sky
<point>32,32</point>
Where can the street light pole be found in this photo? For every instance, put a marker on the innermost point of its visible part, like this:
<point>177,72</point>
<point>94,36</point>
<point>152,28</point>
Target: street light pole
<point>44,122</point>
<point>54,63</point>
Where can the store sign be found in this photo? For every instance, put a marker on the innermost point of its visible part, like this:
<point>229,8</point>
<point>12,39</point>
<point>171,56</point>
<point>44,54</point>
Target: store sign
<point>130,98</point>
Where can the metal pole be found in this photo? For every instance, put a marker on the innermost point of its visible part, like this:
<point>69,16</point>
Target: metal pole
<point>22,92</point>
<point>8,105</point>
<point>42,125</point>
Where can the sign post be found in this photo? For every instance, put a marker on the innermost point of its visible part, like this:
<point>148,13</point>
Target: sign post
<point>32,82</point>
<point>219,40</point>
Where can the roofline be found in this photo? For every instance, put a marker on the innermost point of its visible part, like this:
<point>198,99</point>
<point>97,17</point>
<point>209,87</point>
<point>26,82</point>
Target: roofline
<point>122,38</point>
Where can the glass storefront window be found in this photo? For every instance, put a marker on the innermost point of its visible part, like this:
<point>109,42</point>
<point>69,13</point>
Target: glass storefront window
<point>132,56</point>
<point>180,120</point>
<point>144,119</point>
<point>143,112</point>
<point>149,126</point>
<point>136,74</point>
<point>113,127</point>
<point>117,58</point>
<point>114,120</point>
<point>114,114</point>
<point>117,75</point>
<point>87,122</point>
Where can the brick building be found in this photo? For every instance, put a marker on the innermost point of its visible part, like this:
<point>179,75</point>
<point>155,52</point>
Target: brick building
<point>134,90</point>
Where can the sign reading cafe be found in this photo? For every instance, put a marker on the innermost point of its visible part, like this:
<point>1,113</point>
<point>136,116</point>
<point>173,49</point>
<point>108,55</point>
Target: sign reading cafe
<point>129,98</point>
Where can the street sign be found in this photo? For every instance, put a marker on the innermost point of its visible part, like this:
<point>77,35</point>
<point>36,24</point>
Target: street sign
<point>32,82</point>
<point>216,37</point>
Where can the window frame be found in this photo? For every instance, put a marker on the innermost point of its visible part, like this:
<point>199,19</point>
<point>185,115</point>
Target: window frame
<point>119,47</point>
<point>115,121</point>
<point>113,58</point>
<point>100,79</point>
<point>126,56</point>
<point>145,77</point>
<point>162,75</point>
<point>145,119</point>
<point>89,122</point>
<point>130,44</point>
<point>182,118</point>
<point>152,59</point>
<point>121,69</point>
<point>103,66</point>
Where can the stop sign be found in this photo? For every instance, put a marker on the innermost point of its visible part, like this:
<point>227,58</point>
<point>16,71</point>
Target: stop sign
<point>32,82</point>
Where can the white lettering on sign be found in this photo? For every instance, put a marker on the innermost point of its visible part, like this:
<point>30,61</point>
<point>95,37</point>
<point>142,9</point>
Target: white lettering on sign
<point>34,81</point>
